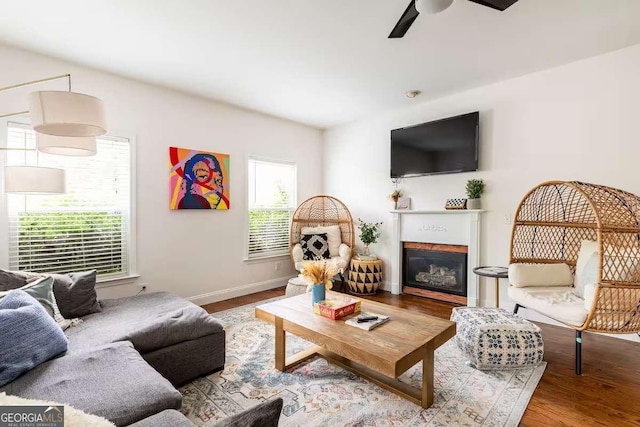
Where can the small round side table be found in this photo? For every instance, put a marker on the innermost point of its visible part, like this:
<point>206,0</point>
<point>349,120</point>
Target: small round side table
<point>364,276</point>
<point>492,271</point>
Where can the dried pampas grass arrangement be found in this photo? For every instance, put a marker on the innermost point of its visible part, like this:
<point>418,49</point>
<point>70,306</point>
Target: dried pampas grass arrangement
<point>316,272</point>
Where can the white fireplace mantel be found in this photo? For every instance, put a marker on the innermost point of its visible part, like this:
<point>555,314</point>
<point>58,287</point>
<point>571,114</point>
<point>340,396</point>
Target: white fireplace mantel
<point>452,227</point>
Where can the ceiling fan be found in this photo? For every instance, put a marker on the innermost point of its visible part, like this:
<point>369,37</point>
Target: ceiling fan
<point>416,7</point>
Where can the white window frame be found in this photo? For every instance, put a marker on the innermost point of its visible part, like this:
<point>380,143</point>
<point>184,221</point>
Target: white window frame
<point>132,229</point>
<point>271,256</point>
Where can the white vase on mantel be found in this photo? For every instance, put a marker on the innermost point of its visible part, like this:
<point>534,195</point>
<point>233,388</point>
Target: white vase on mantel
<point>473,204</point>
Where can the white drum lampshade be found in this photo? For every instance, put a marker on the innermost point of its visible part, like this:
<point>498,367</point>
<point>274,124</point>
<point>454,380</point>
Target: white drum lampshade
<point>67,114</point>
<point>67,145</point>
<point>432,6</point>
<point>33,180</point>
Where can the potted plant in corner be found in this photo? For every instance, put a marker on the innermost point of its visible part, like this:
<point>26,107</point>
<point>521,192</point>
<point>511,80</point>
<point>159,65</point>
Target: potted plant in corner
<point>475,188</point>
<point>369,233</point>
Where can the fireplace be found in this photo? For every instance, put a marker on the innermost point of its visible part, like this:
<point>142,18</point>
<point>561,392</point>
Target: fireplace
<point>435,270</point>
<point>458,229</point>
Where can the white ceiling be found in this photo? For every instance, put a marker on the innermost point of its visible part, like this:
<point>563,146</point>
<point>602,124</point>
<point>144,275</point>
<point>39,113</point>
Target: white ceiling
<point>318,62</point>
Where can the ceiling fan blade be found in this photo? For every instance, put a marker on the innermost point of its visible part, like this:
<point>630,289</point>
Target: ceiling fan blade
<point>405,21</point>
<point>500,5</point>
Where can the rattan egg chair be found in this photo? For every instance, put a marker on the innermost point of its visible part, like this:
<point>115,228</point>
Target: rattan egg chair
<point>319,211</point>
<point>549,225</point>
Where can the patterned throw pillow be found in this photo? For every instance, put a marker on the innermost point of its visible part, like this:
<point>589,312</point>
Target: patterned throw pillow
<point>315,246</point>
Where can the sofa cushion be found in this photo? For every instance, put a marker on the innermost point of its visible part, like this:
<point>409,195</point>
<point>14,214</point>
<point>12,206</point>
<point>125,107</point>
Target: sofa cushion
<point>334,236</point>
<point>28,335</point>
<point>72,417</point>
<point>586,266</point>
<point>76,293</point>
<point>168,418</point>
<point>111,381</point>
<point>149,321</point>
<point>523,275</point>
<point>558,303</point>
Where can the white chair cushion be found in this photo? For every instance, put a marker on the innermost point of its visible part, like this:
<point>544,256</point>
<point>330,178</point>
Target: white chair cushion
<point>297,253</point>
<point>333,236</point>
<point>339,262</point>
<point>589,294</point>
<point>586,266</point>
<point>534,275</point>
<point>559,303</point>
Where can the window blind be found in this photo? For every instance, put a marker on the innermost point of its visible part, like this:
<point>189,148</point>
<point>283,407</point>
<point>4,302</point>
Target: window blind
<point>272,202</point>
<point>86,228</point>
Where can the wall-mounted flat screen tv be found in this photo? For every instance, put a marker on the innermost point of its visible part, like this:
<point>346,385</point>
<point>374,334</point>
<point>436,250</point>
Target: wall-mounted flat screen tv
<point>443,146</point>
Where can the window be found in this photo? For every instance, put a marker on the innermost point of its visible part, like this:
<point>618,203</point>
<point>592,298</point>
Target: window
<point>86,228</point>
<point>272,200</point>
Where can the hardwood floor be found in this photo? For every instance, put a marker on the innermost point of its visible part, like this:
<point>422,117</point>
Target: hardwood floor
<point>607,393</point>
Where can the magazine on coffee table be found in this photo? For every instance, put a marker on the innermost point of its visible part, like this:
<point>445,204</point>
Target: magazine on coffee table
<point>368,324</point>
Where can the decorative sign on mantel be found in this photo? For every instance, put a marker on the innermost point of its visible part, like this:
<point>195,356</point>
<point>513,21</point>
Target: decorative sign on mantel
<point>434,228</point>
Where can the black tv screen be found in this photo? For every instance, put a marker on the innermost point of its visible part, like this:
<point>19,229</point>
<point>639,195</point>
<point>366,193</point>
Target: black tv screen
<point>443,146</point>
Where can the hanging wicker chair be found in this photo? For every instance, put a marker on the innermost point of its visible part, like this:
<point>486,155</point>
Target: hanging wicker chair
<point>551,222</point>
<point>322,211</point>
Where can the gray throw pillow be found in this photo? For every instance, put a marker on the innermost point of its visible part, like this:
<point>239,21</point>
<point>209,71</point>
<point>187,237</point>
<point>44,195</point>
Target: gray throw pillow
<point>76,294</point>
<point>265,414</point>
<point>10,280</point>
<point>29,336</point>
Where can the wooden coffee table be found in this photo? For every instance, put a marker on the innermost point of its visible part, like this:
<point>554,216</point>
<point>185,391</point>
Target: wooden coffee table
<point>380,355</point>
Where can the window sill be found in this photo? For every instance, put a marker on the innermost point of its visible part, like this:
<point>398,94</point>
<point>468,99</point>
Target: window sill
<point>116,281</point>
<point>266,258</point>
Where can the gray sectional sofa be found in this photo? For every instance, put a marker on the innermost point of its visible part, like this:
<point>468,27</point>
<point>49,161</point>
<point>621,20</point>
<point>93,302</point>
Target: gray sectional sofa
<point>124,362</point>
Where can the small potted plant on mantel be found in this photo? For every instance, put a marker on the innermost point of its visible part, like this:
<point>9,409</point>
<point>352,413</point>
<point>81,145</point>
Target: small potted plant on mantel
<point>369,233</point>
<point>475,188</point>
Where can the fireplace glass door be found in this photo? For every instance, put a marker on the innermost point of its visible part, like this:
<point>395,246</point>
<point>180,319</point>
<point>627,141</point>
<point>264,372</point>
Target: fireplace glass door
<point>436,271</point>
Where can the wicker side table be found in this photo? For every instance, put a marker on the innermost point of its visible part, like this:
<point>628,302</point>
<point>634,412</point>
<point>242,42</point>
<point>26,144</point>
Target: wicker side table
<point>364,277</point>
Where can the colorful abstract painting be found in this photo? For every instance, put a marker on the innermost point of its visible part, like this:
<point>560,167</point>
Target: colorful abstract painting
<point>198,179</point>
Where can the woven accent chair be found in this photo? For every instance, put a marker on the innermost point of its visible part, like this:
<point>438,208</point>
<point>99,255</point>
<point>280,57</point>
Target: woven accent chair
<point>549,226</point>
<point>322,211</point>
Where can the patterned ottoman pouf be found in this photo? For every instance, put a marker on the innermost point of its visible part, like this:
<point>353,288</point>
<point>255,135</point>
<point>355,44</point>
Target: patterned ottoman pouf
<point>296,286</point>
<point>493,338</point>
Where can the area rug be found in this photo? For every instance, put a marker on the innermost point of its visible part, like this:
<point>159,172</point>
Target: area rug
<point>316,393</point>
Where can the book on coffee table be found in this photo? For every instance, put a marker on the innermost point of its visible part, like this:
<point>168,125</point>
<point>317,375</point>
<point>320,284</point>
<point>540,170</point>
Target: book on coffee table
<point>370,324</point>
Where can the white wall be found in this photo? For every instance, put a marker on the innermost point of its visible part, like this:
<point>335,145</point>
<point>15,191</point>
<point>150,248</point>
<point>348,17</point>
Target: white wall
<point>575,122</point>
<point>191,253</point>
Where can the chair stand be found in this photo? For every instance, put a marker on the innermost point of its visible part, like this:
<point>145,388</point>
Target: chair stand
<point>578,345</point>
<point>578,352</point>
<point>515,309</point>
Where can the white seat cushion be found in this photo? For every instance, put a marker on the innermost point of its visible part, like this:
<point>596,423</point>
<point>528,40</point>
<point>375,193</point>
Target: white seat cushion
<point>559,303</point>
<point>338,261</point>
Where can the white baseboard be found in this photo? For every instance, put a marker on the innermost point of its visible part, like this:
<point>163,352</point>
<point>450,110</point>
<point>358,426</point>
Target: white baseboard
<point>239,291</point>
